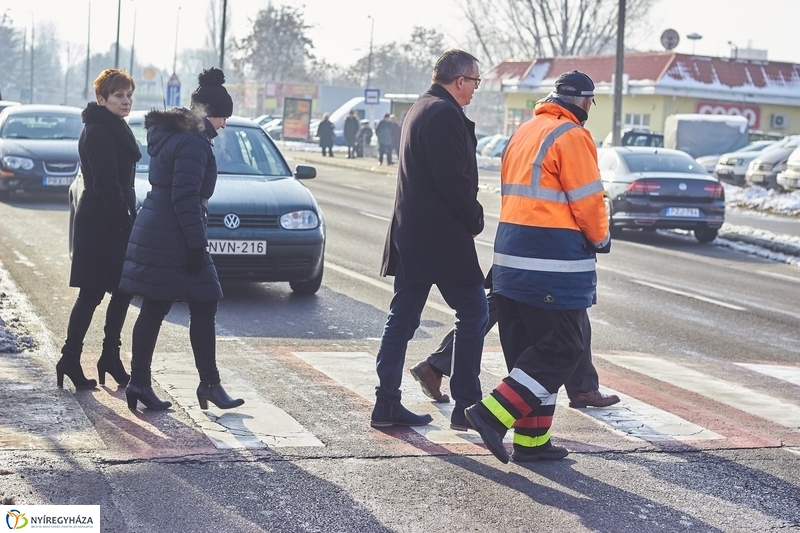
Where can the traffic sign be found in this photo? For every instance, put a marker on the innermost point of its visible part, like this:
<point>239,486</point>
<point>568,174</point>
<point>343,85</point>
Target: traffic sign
<point>173,91</point>
<point>372,96</point>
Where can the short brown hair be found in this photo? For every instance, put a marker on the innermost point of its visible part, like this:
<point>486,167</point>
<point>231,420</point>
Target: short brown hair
<point>111,80</point>
<point>451,65</point>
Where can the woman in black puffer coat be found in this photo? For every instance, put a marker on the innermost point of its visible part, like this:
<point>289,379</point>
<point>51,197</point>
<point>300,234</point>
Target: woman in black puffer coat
<point>166,260</point>
<point>103,218</point>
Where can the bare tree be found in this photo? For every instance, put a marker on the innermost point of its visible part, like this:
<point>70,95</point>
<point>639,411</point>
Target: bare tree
<point>278,46</point>
<point>503,29</point>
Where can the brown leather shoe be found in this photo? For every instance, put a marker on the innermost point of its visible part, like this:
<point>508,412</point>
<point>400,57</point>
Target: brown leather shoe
<point>593,399</point>
<point>430,381</point>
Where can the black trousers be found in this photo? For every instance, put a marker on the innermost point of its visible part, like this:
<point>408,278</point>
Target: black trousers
<point>385,149</point>
<point>202,335</point>
<point>81,317</point>
<point>351,148</point>
<point>584,379</point>
<point>329,149</point>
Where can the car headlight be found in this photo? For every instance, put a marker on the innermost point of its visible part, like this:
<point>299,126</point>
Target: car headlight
<point>300,220</point>
<point>13,162</point>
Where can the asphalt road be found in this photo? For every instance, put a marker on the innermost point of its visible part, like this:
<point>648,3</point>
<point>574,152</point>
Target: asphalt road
<point>701,441</point>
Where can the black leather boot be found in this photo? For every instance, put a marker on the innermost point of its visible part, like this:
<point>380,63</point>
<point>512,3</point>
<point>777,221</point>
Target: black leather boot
<point>214,393</point>
<point>146,395</point>
<point>70,364</point>
<point>110,363</point>
<point>386,414</point>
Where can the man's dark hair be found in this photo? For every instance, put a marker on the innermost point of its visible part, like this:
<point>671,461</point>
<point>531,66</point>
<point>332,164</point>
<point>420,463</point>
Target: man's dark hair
<point>451,65</point>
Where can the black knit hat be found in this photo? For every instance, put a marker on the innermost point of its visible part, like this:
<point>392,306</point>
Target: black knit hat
<point>575,83</point>
<point>211,95</point>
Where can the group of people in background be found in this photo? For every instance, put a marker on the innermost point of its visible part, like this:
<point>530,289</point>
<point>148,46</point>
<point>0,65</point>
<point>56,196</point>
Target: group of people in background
<point>358,136</point>
<point>159,253</point>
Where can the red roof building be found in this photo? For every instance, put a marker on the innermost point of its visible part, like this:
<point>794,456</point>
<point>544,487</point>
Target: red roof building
<point>658,84</point>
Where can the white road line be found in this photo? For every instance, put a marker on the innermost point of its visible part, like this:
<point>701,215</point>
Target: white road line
<point>631,418</point>
<point>356,371</point>
<point>725,392</point>
<point>377,217</point>
<point>790,374</point>
<point>256,424</point>
<point>485,243</point>
<point>779,276</point>
<point>689,295</point>
<point>383,286</point>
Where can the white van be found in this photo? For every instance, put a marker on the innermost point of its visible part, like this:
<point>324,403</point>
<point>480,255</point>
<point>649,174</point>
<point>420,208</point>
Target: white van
<point>371,112</point>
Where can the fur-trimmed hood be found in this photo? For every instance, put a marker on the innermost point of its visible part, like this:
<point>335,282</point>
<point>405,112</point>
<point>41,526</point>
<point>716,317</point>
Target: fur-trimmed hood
<point>161,125</point>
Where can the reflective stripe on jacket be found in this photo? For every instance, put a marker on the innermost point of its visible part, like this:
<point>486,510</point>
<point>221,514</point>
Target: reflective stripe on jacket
<point>552,217</point>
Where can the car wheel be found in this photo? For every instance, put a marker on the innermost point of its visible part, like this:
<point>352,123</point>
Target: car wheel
<point>613,230</point>
<point>705,234</point>
<point>309,286</point>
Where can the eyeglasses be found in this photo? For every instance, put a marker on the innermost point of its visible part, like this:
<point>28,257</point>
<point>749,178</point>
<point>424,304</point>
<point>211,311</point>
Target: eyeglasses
<point>476,80</point>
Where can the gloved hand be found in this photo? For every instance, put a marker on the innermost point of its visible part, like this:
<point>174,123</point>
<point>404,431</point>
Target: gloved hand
<point>197,258</point>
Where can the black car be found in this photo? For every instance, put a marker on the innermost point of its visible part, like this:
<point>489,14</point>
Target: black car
<point>38,147</point>
<point>263,223</point>
<point>651,188</point>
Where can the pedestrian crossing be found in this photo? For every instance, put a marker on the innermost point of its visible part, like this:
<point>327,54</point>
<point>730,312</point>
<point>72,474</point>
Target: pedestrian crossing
<point>665,405</point>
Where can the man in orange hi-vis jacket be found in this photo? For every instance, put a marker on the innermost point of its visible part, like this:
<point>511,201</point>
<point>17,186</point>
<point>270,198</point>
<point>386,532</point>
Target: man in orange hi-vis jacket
<point>552,223</point>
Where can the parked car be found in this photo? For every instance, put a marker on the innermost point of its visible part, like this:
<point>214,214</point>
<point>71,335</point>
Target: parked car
<point>482,142</point>
<point>274,128</point>
<point>263,223</point>
<point>263,119</point>
<point>709,162</point>
<point>495,147</point>
<point>7,103</point>
<point>636,137</point>
<point>732,166</point>
<point>789,179</point>
<point>38,147</point>
<point>764,169</point>
<point>651,188</point>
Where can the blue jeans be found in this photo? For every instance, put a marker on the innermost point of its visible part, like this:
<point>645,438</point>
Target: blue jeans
<point>405,311</point>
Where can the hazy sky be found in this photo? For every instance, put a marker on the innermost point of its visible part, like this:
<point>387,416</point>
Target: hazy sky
<point>341,28</point>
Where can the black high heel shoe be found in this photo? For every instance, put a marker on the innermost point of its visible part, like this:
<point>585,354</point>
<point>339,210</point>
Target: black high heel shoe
<point>110,363</point>
<point>74,372</point>
<point>147,396</point>
<point>217,395</point>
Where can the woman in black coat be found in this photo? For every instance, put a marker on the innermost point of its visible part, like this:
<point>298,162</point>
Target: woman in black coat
<point>103,219</point>
<point>166,260</point>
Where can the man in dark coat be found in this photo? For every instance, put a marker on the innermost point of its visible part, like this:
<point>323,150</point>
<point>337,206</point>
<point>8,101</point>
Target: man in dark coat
<point>325,134</point>
<point>384,133</point>
<point>350,133</point>
<point>431,239</point>
<point>103,218</point>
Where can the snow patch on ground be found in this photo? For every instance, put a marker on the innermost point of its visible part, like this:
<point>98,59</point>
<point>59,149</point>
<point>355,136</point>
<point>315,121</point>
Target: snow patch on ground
<point>761,199</point>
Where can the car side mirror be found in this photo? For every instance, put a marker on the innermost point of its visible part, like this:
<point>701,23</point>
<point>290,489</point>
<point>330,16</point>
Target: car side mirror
<point>305,172</point>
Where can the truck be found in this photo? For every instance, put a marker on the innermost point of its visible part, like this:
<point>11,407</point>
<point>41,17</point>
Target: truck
<point>704,135</point>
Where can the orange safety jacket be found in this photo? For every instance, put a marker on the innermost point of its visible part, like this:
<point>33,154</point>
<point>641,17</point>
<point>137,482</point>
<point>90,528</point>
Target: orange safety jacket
<point>553,218</point>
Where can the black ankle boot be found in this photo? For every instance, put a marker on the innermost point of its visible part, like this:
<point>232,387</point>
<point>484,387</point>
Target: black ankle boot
<point>146,395</point>
<point>214,393</point>
<point>386,414</point>
<point>70,364</point>
<point>110,363</point>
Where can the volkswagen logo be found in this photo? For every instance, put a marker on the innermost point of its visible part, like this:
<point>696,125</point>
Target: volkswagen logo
<point>681,186</point>
<point>232,221</point>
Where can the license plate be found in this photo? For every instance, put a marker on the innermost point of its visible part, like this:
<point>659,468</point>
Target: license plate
<point>220,247</point>
<point>51,181</point>
<point>683,212</point>
<point>755,178</point>
<point>723,171</point>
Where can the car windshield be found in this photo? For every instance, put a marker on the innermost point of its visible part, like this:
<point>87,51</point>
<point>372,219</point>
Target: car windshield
<point>238,150</point>
<point>42,127</point>
<point>656,162</point>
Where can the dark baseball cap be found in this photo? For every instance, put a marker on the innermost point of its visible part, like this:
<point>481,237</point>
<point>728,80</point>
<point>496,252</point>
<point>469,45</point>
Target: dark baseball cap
<point>575,83</point>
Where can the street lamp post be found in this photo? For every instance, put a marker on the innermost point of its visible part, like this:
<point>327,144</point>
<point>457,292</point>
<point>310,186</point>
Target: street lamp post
<point>88,40</point>
<point>133,41</point>
<point>618,73</point>
<point>116,53</point>
<point>369,59</point>
<point>177,25</point>
<point>222,36</point>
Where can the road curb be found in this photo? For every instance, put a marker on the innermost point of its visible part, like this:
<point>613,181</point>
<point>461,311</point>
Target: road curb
<point>775,246</point>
